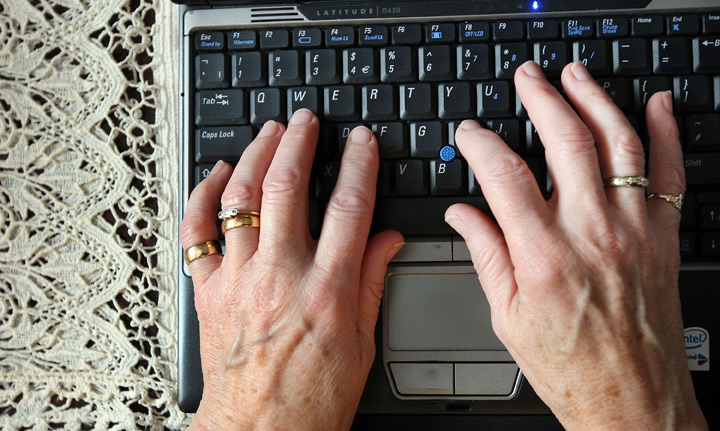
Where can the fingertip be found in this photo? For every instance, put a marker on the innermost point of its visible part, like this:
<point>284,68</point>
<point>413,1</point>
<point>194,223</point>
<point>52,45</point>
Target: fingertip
<point>361,135</point>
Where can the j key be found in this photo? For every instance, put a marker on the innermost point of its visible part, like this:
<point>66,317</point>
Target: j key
<point>682,24</point>
<point>454,101</point>
<point>396,64</point>
<point>339,36</point>
<point>373,35</point>
<point>248,69</point>
<point>593,54</point>
<point>284,68</point>
<point>494,99</point>
<point>244,39</point>
<point>644,88</point>
<point>307,37</point>
<point>266,104</point>
<point>392,140</point>
<point>340,104</point>
<point>440,33</point>
<point>221,143</point>
<point>701,132</point>
<point>411,178</point>
<point>504,31</point>
<point>475,31</point>
<point>692,93</point>
<point>473,62</point>
<point>209,41</point>
<point>618,89</point>
<point>224,107</point>
<point>612,27</point>
<point>670,56</point>
<point>648,26</point>
<point>426,139</point>
<point>508,57</point>
<point>630,57</point>
<point>417,102</point>
<point>302,97</point>
<point>577,28</point>
<point>710,217</point>
<point>379,103</point>
<point>446,178</point>
<point>327,176</point>
<point>274,39</point>
<point>706,54</point>
<point>434,63</point>
<point>552,57</point>
<point>321,67</point>
<point>210,71</point>
<point>508,130</point>
<point>359,66</point>
<point>542,29</point>
<point>702,168</point>
<point>711,244</point>
<point>406,34</point>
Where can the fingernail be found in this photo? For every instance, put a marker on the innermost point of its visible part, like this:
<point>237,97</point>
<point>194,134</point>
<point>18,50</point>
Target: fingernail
<point>394,249</point>
<point>580,72</point>
<point>361,135</point>
<point>469,125</point>
<point>532,70</point>
<point>218,166</point>
<point>668,101</point>
<point>456,223</point>
<point>269,129</point>
<point>301,116</point>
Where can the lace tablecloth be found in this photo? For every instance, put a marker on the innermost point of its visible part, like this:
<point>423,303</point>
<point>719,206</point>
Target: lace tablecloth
<point>88,179</point>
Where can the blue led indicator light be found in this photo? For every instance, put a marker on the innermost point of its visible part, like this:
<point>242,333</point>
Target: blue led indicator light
<point>448,153</point>
<point>535,5</point>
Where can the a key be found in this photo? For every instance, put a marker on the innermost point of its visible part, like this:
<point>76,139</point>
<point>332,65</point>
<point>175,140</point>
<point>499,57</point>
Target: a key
<point>692,93</point>
<point>306,37</point>
<point>434,63</point>
<point>577,28</point>
<point>505,31</point>
<point>339,36</point>
<point>652,25</point>
<point>373,35</point>
<point>274,39</point>
<point>532,139</point>
<point>343,133</point>
<point>426,139</point>
<point>302,97</point>
<point>392,140</point>
<point>446,178</point>
<point>644,88</point>
<point>541,29</point>
<point>474,31</point>
<point>612,27</point>
<point>711,244</point>
<point>702,168</point>
<point>552,57</point>
<point>670,56</point>
<point>440,33</point>
<point>248,69</point>
<point>473,62</point>
<point>243,39</point>
<point>494,99</point>
<point>284,68</point>
<point>209,41</point>
<point>710,217</point>
<point>630,57</point>
<point>396,64</point>
<point>266,104</point>
<point>682,24</point>
<point>406,34</point>
<point>359,66</point>
<point>325,179</point>
<point>593,54</point>
<point>508,130</point>
<point>706,54</point>
<point>508,57</point>
<point>221,143</point>
<point>340,104</point>
<point>416,102</point>
<point>378,103</point>
<point>411,178</point>
<point>321,67</point>
<point>220,107</point>
<point>454,101</point>
<point>618,89</point>
<point>210,71</point>
<point>701,132</point>
<point>473,184</point>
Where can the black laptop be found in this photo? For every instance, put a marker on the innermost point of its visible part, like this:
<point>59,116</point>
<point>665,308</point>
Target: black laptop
<point>412,71</point>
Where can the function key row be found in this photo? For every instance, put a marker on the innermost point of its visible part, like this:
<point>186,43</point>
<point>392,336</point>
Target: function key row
<point>473,31</point>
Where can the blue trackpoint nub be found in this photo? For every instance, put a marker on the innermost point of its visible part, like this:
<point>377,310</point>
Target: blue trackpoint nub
<point>448,153</point>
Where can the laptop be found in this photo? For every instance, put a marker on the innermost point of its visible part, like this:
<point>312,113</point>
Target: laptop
<point>412,71</point>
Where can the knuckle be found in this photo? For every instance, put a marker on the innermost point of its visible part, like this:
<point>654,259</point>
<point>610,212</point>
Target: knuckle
<point>574,139</point>
<point>627,144</point>
<point>239,193</point>
<point>506,166</point>
<point>283,180</point>
<point>189,227</point>
<point>350,202</point>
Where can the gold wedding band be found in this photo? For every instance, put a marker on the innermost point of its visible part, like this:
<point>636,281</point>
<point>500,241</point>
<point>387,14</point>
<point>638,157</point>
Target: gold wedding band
<point>627,181</point>
<point>245,219</point>
<point>677,201</point>
<point>201,250</point>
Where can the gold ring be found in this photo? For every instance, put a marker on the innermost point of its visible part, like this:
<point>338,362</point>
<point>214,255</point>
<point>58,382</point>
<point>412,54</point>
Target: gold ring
<point>201,250</point>
<point>232,212</point>
<point>241,220</point>
<point>677,201</point>
<point>627,181</point>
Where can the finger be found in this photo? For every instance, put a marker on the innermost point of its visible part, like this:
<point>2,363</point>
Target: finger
<point>666,171</point>
<point>490,256</point>
<point>284,220</point>
<point>244,190</point>
<point>198,223</point>
<point>620,151</point>
<point>349,211</point>
<point>379,251</point>
<point>569,145</point>
<point>506,181</point>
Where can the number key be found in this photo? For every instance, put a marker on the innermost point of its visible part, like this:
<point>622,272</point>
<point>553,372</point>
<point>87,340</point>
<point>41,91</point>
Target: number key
<point>508,57</point>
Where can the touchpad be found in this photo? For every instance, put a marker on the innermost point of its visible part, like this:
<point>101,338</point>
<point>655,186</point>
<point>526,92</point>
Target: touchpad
<point>438,312</point>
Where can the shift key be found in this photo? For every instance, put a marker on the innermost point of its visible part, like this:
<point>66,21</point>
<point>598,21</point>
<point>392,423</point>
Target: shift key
<point>702,168</point>
<point>221,143</point>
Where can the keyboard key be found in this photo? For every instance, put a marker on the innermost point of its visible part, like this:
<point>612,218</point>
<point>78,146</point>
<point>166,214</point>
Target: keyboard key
<point>577,28</point>
<point>339,36</point>
<point>475,31</point>
<point>244,39</point>
<point>593,54</point>
<point>494,99</point>
<point>711,23</point>
<point>446,178</point>
<point>710,217</point>
<point>417,102</point>
<point>552,57</point>
<point>266,104</point>
<point>644,88</point>
<point>321,67</point>
<point>434,63</point>
<point>209,41</point>
<point>439,33</point>
<point>359,66</point>
<point>701,132</point>
<point>221,143</point>
<point>473,185</point>
<point>215,108</point>
<point>692,93</point>
<point>508,130</point>
<point>379,103</point>
<point>648,26</point>
<point>396,64</point>
<point>706,54</point>
<point>473,62</point>
<point>274,39</point>
<point>682,25</point>
<point>284,68</point>
<point>373,35</point>
<point>343,133</point>
<point>248,69</point>
<point>454,101</point>
<point>508,31</point>
<point>202,171</point>
<point>630,57</point>
<point>340,104</point>
<point>406,34</point>
<point>612,27</point>
<point>426,139</point>
<point>307,38</point>
<point>702,168</point>
<point>303,97</point>
<point>688,244</point>
<point>670,56</point>
<point>392,140</point>
<point>542,29</point>
<point>326,178</point>
<point>618,89</point>
<point>411,178</point>
<point>711,244</point>
<point>532,138</point>
<point>210,71</point>
<point>508,57</point>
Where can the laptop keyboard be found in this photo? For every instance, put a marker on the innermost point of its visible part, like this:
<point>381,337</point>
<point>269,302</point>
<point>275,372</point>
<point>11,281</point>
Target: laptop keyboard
<point>413,84</point>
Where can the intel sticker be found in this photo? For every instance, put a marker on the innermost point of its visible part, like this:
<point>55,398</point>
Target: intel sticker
<point>697,349</point>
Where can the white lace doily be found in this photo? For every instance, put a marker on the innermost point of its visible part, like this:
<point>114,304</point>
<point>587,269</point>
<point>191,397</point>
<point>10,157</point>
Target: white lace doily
<point>88,180</point>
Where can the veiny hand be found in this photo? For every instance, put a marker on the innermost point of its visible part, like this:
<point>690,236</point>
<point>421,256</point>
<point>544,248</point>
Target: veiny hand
<point>583,287</point>
<point>287,324</point>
